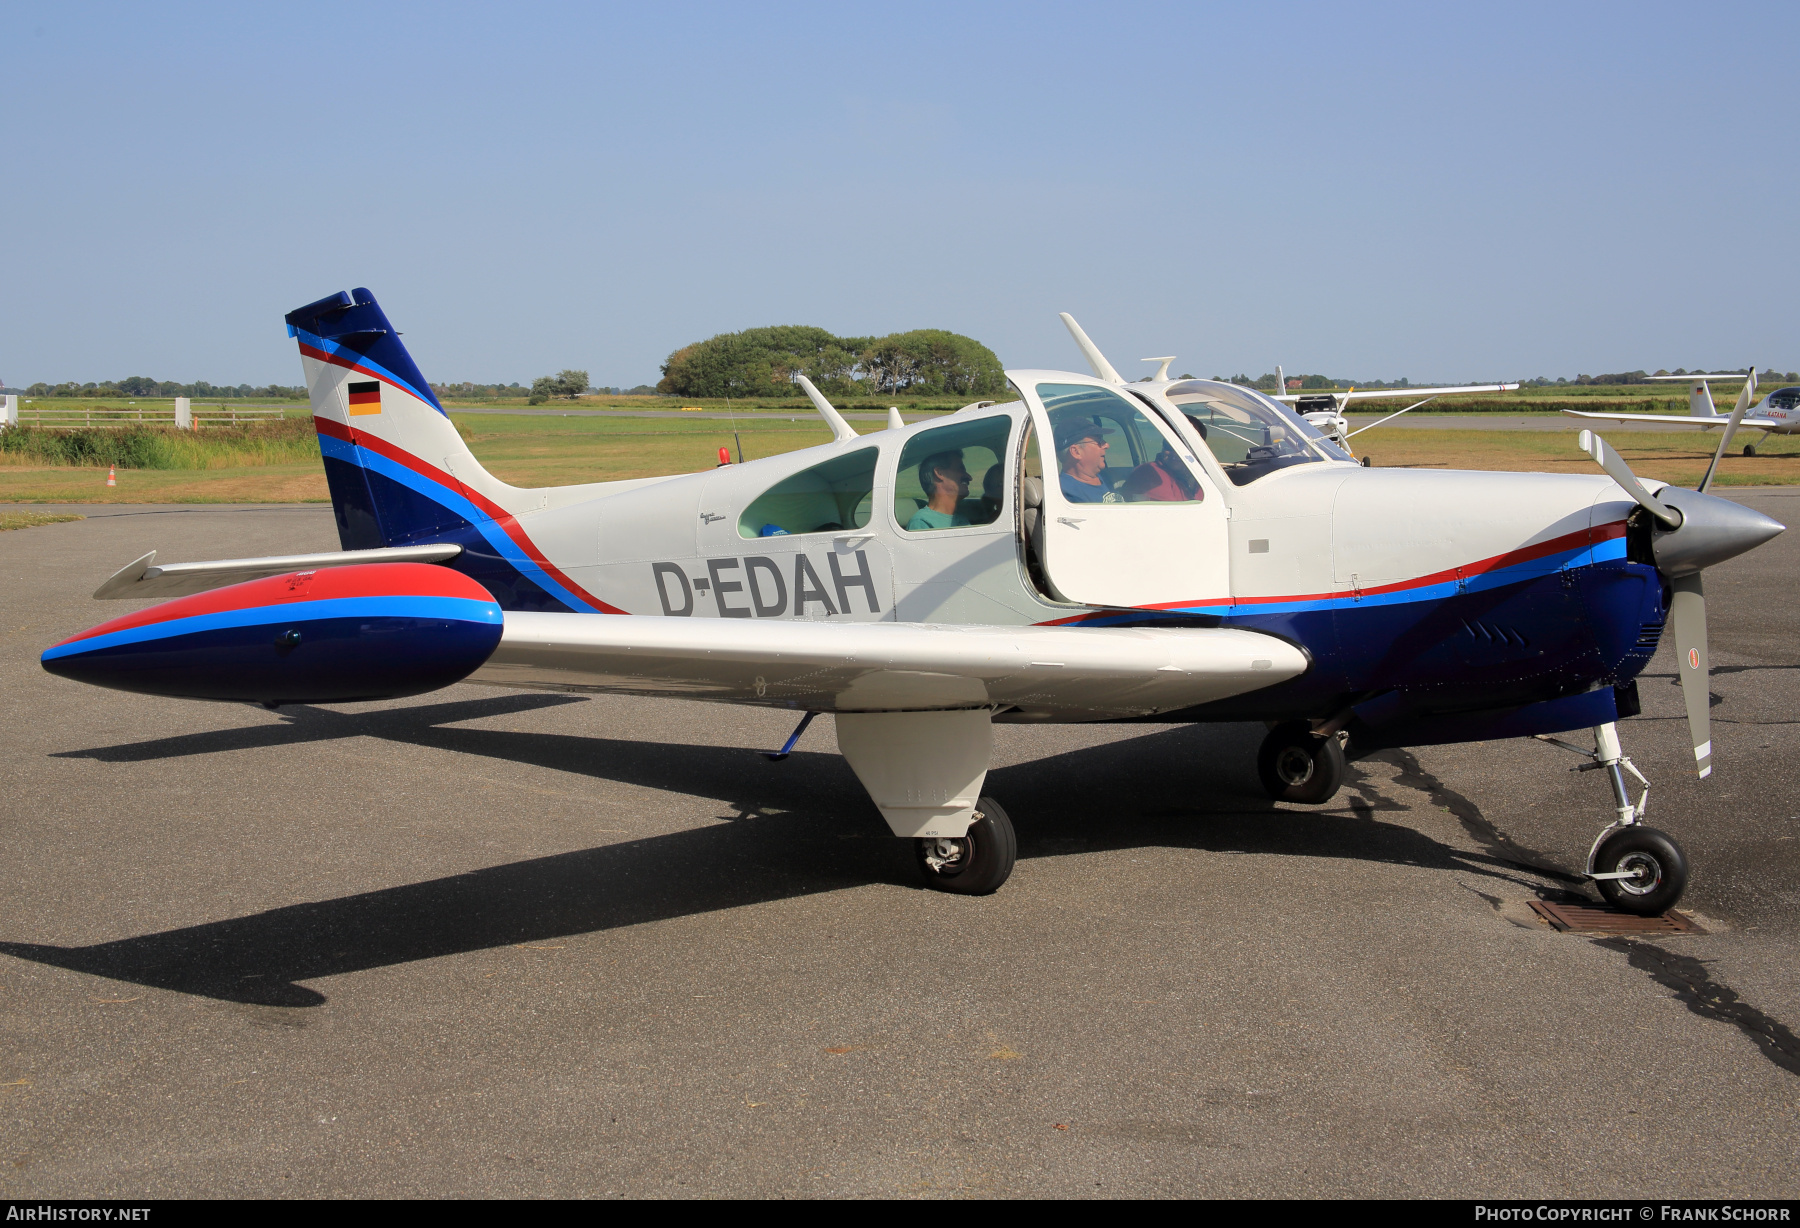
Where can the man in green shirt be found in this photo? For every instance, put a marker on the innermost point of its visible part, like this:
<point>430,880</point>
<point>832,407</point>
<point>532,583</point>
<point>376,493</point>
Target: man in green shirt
<point>945,480</point>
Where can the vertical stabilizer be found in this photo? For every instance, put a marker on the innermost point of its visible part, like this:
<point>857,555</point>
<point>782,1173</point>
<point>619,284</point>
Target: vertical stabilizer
<point>393,460</point>
<point>1700,402</point>
<point>399,472</point>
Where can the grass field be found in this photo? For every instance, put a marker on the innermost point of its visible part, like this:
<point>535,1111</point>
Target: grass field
<point>544,450</point>
<point>524,450</point>
<point>1680,457</point>
<point>30,520</point>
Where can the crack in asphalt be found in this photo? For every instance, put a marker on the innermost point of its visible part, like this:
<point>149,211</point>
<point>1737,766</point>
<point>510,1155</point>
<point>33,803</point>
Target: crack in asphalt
<point>1688,977</point>
<point>1482,829</point>
<point>1695,988</point>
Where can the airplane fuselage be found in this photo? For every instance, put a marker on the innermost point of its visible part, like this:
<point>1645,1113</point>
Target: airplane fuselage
<point>1424,592</point>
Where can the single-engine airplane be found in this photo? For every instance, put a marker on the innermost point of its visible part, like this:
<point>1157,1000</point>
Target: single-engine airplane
<point>1326,410</point>
<point>1093,550</point>
<point>1777,414</point>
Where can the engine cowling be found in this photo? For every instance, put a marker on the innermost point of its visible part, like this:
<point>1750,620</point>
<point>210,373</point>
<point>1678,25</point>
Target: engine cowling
<point>340,634</point>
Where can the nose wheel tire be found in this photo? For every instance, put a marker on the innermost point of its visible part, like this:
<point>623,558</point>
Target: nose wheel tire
<point>1658,869</point>
<point>1296,765</point>
<point>975,864</point>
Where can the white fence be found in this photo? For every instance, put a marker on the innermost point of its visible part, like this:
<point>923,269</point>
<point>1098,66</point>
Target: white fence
<point>182,414</point>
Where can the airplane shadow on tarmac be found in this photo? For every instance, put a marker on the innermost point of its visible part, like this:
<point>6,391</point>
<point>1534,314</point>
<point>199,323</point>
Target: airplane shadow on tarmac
<point>791,832</point>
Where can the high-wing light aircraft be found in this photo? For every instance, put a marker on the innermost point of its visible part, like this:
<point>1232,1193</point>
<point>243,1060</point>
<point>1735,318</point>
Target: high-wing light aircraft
<point>1326,410</point>
<point>1094,550</point>
<point>1777,414</point>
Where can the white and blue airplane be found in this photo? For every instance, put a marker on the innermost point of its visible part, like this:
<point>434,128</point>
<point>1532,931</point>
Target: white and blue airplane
<point>1777,414</point>
<point>1090,550</point>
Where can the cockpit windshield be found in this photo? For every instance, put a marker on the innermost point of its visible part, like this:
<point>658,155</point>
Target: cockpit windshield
<point>1249,434</point>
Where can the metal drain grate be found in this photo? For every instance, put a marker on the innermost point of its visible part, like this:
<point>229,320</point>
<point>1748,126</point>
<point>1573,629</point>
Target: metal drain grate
<point>1589,919</point>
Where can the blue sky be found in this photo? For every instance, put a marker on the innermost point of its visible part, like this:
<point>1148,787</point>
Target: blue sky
<point>1436,191</point>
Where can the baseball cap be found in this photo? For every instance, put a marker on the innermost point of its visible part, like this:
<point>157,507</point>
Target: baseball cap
<point>1074,430</point>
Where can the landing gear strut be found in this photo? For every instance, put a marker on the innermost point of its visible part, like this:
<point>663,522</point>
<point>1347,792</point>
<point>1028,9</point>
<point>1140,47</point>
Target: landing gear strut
<point>1298,765</point>
<point>1638,869</point>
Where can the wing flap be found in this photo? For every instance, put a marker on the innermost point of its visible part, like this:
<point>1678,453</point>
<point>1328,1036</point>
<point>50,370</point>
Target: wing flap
<point>142,578</point>
<point>1049,672</point>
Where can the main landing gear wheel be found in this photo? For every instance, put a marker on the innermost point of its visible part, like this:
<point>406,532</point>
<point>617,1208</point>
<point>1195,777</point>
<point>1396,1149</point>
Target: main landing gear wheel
<point>1297,765</point>
<point>1749,449</point>
<point>977,863</point>
<point>1658,869</point>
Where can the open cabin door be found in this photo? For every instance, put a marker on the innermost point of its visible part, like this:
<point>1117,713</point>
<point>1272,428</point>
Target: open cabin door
<point>1129,516</point>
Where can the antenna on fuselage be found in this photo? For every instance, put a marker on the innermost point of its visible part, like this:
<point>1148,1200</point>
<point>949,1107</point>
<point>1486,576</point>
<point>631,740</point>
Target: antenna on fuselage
<point>840,429</point>
<point>1162,372</point>
<point>1090,351</point>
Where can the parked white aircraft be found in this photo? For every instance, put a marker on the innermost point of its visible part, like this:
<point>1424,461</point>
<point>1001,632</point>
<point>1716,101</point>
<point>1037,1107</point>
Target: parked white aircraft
<point>1326,410</point>
<point>1093,550</point>
<point>1777,414</point>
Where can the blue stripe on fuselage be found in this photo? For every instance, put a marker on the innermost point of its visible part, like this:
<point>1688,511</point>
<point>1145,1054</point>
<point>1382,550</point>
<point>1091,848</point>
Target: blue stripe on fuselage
<point>495,536</point>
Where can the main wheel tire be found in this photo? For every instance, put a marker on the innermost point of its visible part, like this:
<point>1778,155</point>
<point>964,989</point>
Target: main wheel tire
<point>1661,867</point>
<point>1297,765</point>
<point>976,864</point>
<point>1366,462</point>
<point>1749,449</point>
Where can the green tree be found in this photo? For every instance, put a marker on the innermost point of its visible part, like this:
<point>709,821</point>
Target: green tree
<point>767,361</point>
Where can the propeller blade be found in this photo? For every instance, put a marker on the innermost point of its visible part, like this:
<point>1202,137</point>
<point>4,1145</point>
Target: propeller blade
<point>1620,472</point>
<point>1731,426</point>
<point>1688,612</point>
<point>1747,393</point>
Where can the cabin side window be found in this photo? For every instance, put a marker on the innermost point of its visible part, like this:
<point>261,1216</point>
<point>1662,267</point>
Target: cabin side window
<point>952,476</point>
<point>826,498</point>
<point>1108,451</point>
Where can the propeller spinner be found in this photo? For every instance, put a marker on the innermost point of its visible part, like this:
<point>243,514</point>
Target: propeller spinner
<point>1691,531</point>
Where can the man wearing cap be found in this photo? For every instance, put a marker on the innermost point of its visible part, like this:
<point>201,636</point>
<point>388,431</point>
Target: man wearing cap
<point>1081,454</point>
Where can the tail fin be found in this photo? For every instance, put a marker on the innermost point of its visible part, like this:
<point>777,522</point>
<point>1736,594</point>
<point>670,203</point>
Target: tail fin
<point>398,471</point>
<point>1700,402</point>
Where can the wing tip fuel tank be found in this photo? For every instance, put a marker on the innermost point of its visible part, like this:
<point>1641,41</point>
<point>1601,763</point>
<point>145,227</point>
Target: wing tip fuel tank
<point>337,635</point>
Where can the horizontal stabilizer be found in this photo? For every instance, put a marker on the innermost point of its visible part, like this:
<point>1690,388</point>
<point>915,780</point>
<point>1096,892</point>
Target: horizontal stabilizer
<point>889,667</point>
<point>141,578</point>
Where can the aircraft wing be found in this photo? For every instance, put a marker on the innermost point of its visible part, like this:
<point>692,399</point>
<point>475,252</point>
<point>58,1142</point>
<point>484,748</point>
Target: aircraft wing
<point>1391,393</point>
<point>863,667</point>
<point>141,578</point>
<point>1676,419</point>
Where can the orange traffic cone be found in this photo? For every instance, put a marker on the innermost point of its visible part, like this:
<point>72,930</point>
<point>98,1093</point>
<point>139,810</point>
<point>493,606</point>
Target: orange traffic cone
<point>112,475</point>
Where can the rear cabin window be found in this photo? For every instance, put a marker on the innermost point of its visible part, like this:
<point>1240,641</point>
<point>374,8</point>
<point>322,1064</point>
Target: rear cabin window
<point>952,476</point>
<point>1108,450</point>
<point>826,498</point>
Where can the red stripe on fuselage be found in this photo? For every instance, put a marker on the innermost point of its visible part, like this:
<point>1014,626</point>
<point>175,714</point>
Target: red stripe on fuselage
<point>326,584</point>
<point>1512,558</point>
<point>495,512</point>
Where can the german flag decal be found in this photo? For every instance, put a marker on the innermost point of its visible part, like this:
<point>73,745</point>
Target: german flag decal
<point>365,397</point>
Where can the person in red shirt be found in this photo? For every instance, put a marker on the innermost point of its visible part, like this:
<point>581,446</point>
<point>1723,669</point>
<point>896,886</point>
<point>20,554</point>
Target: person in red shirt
<point>1163,480</point>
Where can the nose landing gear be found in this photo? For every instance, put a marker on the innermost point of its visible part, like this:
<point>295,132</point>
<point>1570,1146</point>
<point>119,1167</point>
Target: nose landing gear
<point>1638,869</point>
